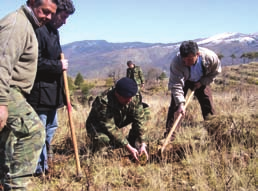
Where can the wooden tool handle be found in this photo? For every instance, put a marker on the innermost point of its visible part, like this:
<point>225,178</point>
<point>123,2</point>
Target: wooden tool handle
<point>175,123</point>
<point>69,109</point>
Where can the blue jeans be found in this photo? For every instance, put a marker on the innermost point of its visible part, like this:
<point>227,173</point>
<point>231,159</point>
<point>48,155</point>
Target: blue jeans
<point>49,119</point>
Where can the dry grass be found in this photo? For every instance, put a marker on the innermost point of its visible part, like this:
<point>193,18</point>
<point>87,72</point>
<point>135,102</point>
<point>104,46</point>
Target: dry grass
<point>219,154</point>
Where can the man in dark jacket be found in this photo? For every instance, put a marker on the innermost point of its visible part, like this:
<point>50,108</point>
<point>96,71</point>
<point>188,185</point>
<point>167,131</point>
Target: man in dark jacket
<point>114,110</point>
<point>47,94</point>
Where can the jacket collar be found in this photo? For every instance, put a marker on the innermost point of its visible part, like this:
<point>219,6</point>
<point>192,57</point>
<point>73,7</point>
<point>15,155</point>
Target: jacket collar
<point>31,16</point>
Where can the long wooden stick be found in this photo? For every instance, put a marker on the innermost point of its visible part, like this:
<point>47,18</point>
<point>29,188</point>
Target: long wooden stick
<point>69,109</point>
<point>175,124</point>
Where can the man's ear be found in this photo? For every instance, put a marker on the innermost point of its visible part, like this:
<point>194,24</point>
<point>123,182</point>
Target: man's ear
<point>198,53</point>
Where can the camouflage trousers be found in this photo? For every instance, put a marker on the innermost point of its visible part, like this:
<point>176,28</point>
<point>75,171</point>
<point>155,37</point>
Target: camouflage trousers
<point>21,142</point>
<point>99,140</point>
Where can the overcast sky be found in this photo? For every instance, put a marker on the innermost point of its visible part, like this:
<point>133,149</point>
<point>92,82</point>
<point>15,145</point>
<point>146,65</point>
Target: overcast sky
<point>164,21</point>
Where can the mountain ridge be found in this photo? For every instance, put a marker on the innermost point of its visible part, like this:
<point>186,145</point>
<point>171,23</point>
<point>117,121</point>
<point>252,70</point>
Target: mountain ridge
<point>100,58</point>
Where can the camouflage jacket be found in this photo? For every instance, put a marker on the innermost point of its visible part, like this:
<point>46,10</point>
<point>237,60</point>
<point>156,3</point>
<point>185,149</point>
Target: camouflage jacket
<point>108,116</point>
<point>136,74</point>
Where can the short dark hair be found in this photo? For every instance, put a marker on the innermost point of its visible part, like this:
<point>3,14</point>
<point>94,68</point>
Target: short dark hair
<point>39,2</point>
<point>65,5</point>
<point>188,47</point>
<point>129,62</point>
<point>36,1</point>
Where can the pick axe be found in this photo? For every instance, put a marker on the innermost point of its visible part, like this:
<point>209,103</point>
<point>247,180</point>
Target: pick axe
<point>69,109</point>
<point>175,123</point>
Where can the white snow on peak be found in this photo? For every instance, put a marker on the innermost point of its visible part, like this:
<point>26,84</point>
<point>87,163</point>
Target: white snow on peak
<point>217,38</point>
<point>244,39</point>
<point>227,37</point>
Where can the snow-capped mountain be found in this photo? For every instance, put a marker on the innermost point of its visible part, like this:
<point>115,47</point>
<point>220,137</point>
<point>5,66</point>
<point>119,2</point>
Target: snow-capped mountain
<point>228,38</point>
<point>99,57</point>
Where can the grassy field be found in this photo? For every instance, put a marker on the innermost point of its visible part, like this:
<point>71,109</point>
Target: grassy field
<point>218,154</point>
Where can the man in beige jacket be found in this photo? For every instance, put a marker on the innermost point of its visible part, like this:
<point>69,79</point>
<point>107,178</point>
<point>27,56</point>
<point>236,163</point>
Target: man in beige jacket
<point>22,134</point>
<point>192,68</point>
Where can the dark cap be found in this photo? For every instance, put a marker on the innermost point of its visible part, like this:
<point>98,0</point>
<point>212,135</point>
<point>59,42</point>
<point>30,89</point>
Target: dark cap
<point>126,87</point>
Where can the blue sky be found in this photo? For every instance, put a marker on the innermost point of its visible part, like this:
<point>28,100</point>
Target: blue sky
<point>164,21</point>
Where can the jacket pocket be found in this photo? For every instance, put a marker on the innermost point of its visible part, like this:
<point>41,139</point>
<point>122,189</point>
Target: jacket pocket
<point>49,94</point>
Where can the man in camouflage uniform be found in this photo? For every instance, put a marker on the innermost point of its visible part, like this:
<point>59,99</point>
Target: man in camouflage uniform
<point>114,110</point>
<point>22,134</point>
<point>135,72</point>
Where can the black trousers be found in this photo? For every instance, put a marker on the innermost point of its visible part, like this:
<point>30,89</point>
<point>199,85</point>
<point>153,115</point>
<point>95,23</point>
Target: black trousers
<point>204,97</point>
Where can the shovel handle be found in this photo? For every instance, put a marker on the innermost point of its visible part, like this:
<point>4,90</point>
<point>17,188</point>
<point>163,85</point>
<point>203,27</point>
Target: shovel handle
<point>175,124</point>
<point>69,109</point>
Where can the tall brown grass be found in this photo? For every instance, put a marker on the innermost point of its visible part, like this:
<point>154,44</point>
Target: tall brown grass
<point>218,154</point>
